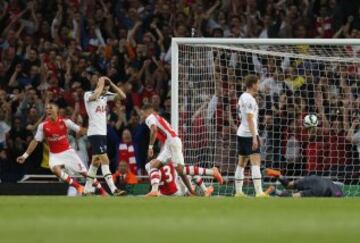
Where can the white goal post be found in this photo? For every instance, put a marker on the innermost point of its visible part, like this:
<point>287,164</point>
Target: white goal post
<point>297,77</point>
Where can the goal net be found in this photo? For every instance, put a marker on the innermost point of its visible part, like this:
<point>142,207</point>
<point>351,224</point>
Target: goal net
<point>297,77</point>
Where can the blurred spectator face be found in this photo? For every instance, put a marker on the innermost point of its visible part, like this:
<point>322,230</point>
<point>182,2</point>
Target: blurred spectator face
<point>122,33</point>
<point>181,31</point>
<point>28,40</point>
<point>45,28</point>
<point>34,71</point>
<point>140,50</point>
<point>17,123</point>
<point>235,21</point>
<point>123,168</point>
<point>11,37</point>
<point>52,55</point>
<point>268,120</point>
<point>145,101</point>
<point>300,31</point>
<point>126,136</point>
<point>62,112</point>
<point>134,119</point>
<point>155,100</point>
<point>32,55</point>
<point>167,105</point>
<point>221,19</point>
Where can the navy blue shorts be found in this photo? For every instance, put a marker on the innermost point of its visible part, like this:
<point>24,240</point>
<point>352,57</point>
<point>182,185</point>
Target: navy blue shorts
<point>98,144</point>
<point>244,145</point>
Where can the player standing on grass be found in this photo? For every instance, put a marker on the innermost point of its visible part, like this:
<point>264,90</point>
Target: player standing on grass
<point>171,150</point>
<point>96,105</point>
<point>55,130</point>
<point>248,138</point>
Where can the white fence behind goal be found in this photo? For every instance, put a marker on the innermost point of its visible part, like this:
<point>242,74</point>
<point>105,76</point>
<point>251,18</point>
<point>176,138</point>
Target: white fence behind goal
<point>297,77</point>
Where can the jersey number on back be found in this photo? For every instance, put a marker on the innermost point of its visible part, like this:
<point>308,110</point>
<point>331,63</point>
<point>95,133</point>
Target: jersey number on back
<point>168,176</point>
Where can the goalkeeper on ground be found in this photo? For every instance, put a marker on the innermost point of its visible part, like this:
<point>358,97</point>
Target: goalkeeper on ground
<point>309,186</point>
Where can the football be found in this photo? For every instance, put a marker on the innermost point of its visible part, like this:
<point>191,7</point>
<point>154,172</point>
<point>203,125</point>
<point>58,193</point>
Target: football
<point>311,121</point>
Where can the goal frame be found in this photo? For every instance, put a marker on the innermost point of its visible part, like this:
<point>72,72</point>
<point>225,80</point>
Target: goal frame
<point>233,41</point>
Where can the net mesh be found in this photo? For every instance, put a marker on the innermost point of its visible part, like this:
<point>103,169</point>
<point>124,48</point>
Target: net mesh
<point>295,80</point>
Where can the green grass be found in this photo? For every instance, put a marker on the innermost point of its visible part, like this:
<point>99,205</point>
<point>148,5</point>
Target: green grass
<point>135,219</point>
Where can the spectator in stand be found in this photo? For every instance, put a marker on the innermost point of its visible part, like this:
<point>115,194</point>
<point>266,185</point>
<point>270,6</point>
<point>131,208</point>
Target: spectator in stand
<point>126,151</point>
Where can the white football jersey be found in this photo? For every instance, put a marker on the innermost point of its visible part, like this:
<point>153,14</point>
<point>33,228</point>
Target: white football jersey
<point>96,111</point>
<point>247,105</point>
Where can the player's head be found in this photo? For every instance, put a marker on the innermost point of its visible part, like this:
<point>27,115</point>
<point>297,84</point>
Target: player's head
<point>105,89</point>
<point>52,110</point>
<point>106,85</point>
<point>251,82</point>
<point>147,110</point>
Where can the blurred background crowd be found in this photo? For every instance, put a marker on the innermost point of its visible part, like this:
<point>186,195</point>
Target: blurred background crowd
<point>56,50</point>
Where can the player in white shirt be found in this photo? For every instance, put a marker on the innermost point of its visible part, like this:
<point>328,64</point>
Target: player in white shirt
<point>248,138</point>
<point>96,106</point>
<point>171,150</point>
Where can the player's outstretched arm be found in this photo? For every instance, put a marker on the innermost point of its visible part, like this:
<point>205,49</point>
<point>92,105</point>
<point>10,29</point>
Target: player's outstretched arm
<point>119,91</point>
<point>153,132</point>
<point>33,144</point>
<point>99,88</point>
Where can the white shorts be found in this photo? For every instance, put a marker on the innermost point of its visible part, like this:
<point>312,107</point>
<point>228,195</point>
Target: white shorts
<point>172,150</point>
<point>69,159</point>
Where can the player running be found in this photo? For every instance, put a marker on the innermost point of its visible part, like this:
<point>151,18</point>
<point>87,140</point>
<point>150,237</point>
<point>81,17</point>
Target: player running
<point>171,150</point>
<point>248,138</point>
<point>61,157</point>
<point>309,186</point>
<point>96,105</point>
<point>171,185</point>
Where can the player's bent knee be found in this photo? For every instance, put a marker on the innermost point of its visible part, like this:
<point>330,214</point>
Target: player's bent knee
<point>155,163</point>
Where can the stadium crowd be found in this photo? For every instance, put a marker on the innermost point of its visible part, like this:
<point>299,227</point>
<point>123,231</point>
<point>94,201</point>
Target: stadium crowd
<point>56,50</point>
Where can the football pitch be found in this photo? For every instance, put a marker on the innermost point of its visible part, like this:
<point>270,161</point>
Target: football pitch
<point>136,219</point>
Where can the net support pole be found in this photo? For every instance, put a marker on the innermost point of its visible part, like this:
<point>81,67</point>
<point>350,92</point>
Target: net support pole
<point>174,85</point>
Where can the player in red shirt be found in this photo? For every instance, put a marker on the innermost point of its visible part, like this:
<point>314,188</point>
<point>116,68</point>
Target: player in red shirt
<point>171,185</point>
<point>172,149</point>
<point>55,130</point>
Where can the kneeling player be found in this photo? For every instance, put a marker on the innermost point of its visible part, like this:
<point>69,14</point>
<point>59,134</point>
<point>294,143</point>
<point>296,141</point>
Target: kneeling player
<point>171,185</point>
<point>309,186</point>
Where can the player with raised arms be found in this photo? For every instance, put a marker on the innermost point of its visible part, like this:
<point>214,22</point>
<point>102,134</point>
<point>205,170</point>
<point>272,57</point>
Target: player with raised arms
<point>61,157</point>
<point>96,106</point>
<point>171,150</point>
<point>248,138</point>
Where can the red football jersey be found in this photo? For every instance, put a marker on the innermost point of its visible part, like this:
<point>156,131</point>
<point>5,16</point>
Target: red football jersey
<point>164,129</point>
<point>56,133</point>
<point>168,180</point>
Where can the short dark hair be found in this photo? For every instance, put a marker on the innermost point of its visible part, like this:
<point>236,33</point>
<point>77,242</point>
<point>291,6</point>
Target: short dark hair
<point>147,107</point>
<point>250,80</point>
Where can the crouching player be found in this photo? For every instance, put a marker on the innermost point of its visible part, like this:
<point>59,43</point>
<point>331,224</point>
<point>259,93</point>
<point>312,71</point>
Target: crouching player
<point>309,186</point>
<point>171,185</point>
<point>62,157</point>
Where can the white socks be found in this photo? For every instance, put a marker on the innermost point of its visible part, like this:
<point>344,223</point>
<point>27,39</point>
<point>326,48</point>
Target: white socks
<point>154,174</point>
<point>108,177</point>
<point>91,175</point>
<point>256,177</point>
<point>239,179</point>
